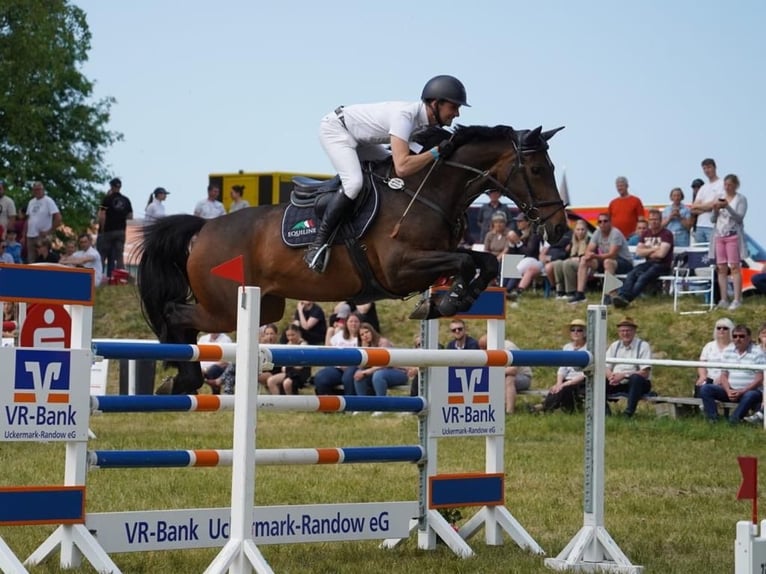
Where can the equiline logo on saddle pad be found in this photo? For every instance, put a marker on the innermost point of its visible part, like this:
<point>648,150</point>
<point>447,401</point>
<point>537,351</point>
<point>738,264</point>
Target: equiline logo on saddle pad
<point>300,224</point>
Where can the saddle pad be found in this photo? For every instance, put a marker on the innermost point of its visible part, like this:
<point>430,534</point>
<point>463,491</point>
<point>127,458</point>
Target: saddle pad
<point>300,224</point>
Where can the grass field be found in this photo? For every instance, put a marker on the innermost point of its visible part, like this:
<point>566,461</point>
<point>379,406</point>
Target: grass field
<point>670,485</point>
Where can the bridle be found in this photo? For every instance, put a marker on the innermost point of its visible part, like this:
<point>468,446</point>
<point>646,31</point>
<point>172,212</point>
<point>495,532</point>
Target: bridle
<point>531,209</point>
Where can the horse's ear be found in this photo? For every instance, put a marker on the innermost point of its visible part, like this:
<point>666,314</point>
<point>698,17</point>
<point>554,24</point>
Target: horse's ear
<point>546,135</point>
<point>532,136</point>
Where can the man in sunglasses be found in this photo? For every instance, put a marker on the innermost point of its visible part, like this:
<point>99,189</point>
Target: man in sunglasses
<point>743,386</point>
<point>460,338</point>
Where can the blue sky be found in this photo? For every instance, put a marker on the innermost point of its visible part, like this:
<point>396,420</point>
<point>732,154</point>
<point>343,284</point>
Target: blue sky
<point>645,89</point>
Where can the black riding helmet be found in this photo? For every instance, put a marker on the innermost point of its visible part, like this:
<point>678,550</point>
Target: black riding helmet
<point>445,88</point>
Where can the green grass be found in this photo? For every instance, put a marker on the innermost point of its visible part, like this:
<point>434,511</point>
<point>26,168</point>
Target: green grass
<point>670,485</point>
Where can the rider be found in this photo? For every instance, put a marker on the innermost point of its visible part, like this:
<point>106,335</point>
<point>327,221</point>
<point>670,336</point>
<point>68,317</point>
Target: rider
<point>359,132</point>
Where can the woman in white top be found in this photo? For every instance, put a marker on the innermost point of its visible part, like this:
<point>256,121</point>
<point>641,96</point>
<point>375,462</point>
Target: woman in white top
<point>237,202</point>
<point>327,379</point>
<point>713,351</point>
<point>155,209</point>
<point>728,244</point>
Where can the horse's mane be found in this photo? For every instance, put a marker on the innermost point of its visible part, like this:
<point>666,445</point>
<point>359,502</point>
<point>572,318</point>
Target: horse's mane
<point>433,135</point>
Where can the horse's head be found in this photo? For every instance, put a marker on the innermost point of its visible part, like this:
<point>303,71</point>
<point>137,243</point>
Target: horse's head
<point>516,163</point>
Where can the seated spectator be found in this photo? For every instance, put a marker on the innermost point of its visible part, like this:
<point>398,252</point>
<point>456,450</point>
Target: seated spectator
<point>625,377</point>
<point>269,335</point>
<point>289,380</point>
<point>368,313</point>
<point>69,248</point>
<point>212,370</point>
<point>757,417</point>
<point>525,242</point>
<point>712,352</point>
<point>86,256</point>
<point>5,257</point>
<point>742,386</point>
<point>677,218</point>
<point>327,379</point>
<point>516,379</point>
<point>563,272</point>
<point>336,322</point>
<point>12,246</point>
<point>641,226</point>
<point>656,248</point>
<point>559,251</point>
<point>607,253</point>
<point>44,253</point>
<point>375,380</point>
<point>570,381</point>
<point>311,319</point>
<point>460,338</point>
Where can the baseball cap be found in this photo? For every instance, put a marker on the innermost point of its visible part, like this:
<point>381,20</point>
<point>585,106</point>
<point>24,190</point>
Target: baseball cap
<point>521,217</point>
<point>697,182</point>
<point>160,190</point>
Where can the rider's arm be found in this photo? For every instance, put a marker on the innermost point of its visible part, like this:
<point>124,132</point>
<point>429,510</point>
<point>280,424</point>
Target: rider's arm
<point>404,163</point>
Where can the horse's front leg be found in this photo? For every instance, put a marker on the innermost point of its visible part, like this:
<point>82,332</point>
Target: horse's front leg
<point>489,269</point>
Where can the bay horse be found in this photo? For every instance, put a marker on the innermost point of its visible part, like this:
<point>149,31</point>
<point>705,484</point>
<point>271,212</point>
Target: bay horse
<point>404,253</point>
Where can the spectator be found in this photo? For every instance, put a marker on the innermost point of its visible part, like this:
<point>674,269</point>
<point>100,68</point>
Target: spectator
<point>113,215</point>
<point>742,386</point>
<point>237,202</point>
<point>155,207</point>
<point>656,248</point>
<point>607,253</point>
<point>677,218</point>
<point>44,253</point>
<point>486,211</point>
<point>43,217</point>
<point>7,211</point>
<point>516,379</point>
<point>269,334</point>
<point>697,183</point>
<point>86,256</point>
<point>757,416</point>
<point>525,242</point>
<point>625,210</point>
<point>552,252</point>
<point>706,199</point>
<point>728,244</point>
<point>311,319</point>
<point>368,313</point>
<point>5,257</point>
<point>210,208</point>
<point>460,338</point>
<point>69,248</point>
<point>641,225</point>
<point>337,320</point>
<point>495,240</point>
<point>712,352</point>
<point>289,380</point>
<point>12,246</point>
<point>414,372</point>
<point>327,379</point>
<point>625,377</point>
<point>565,270</point>
<point>212,370</point>
<point>570,381</point>
<point>375,380</point>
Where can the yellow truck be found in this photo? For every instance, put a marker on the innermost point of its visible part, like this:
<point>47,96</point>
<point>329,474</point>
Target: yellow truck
<point>261,188</point>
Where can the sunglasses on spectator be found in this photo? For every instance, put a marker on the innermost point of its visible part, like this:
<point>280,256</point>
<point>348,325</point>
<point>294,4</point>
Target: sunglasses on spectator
<point>722,327</point>
<point>456,329</point>
<point>739,336</point>
<point>576,330</point>
<point>603,221</point>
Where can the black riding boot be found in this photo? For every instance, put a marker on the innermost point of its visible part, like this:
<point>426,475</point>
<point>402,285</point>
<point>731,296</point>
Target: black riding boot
<point>317,254</point>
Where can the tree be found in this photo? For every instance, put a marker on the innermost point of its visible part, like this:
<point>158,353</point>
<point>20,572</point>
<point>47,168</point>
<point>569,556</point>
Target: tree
<point>50,129</point>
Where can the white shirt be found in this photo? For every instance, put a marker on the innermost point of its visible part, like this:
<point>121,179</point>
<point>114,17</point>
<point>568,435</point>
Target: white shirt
<point>742,378</point>
<point>94,262</point>
<point>208,338</point>
<point>209,209</point>
<point>636,349</point>
<point>712,353</point>
<point>154,211</point>
<point>337,340</point>
<point>40,214</point>
<point>707,193</point>
<point>7,209</point>
<point>237,205</point>
<point>376,123</point>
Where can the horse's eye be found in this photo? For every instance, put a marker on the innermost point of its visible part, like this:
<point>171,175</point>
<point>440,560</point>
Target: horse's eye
<point>537,170</point>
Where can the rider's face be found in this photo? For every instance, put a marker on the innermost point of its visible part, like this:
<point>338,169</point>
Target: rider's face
<point>448,112</point>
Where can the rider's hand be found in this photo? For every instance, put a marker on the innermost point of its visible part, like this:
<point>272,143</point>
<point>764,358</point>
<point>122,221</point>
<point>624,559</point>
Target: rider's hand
<point>446,148</point>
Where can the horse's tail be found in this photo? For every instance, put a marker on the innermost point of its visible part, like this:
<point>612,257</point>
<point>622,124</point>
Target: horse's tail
<point>162,276</point>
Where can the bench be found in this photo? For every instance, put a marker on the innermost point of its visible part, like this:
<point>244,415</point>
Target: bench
<point>675,407</point>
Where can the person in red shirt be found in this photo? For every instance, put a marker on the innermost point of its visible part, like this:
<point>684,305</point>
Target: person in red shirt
<point>625,209</point>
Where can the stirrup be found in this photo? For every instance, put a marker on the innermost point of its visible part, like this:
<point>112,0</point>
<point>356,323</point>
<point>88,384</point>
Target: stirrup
<point>320,258</point>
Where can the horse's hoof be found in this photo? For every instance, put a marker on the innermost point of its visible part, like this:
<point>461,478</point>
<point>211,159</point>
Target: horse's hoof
<point>448,306</point>
<point>426,309</point>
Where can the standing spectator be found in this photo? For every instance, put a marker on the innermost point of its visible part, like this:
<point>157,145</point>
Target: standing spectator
<point>743,386</point>
<point>677,218</point>
<point>210,208</point>
<point>607,253</point>
<point>7,211</point>
<point>706,199</point>
<point>641,225</point>
<point>212,370</point>
<point>12,246</point>
<point>5,257</point>
<point>237,202</point>
<point>626,377</point>
<point>656,248</point>
<point>113,215</point>
<point>525,242</point>
<point>697,183</point>
<point>86,256</point>
<point>155,207</point>
<point>311,319</point>
<point>460,338</point>
<point>712,352</point>
<point>489,209</point>
<point>728,242</point>
<point>565,270</point>
<point>569,380</point>
<point>289,380</point>
<point>43,217</point>
<point>327,379</point>
<point>376,380</point>
<point>44,253</point>
<point>625,209</point>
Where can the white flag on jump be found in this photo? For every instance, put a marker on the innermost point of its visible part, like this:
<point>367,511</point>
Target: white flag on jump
<point>611,283</point>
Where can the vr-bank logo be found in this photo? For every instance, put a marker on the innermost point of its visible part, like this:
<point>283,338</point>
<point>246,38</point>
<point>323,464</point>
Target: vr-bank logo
<point>468,386</point>
<point>42,377</point>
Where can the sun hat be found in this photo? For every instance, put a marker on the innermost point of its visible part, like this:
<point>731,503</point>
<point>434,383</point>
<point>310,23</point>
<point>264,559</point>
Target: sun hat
<point>627,322</point>
<point>499,216</point>
<point>577,323</point>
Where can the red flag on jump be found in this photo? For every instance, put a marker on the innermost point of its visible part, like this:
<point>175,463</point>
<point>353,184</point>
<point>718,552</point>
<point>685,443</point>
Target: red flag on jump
<point>748,466</point>
<point>234,270</point>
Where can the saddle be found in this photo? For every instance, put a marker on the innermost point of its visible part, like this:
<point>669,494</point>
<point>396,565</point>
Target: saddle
<point>308,201</point>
